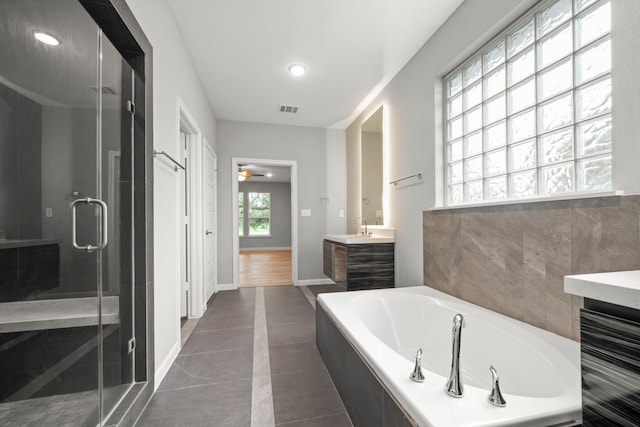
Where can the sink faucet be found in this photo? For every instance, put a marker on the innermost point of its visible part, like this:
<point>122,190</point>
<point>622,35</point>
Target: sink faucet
<point>454,386</point>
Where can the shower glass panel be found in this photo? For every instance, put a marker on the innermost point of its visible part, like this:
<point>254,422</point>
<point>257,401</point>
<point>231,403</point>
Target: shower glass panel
<point>117,275</point>
<point>65,217</point>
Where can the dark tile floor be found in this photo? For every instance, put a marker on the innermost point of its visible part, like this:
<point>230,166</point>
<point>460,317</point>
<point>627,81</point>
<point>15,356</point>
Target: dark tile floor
<point>210,383</point>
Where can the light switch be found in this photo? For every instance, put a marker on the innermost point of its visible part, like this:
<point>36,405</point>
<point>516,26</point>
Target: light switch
<point>341,213</point>
<point>305,212</point>
<point>48,212</point>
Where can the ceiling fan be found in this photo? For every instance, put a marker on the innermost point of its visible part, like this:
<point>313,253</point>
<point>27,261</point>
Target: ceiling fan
<point>245,174</point>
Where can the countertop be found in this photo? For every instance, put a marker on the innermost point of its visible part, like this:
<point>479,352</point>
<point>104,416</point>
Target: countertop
<point>356,239</point>
<point>378,234</point>
<point>619,287</point>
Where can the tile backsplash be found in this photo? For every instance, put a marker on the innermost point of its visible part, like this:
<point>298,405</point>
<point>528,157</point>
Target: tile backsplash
<point>512,259</point>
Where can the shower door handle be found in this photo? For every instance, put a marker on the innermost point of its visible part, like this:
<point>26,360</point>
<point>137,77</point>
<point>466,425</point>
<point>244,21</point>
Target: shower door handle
<point>74,224</point>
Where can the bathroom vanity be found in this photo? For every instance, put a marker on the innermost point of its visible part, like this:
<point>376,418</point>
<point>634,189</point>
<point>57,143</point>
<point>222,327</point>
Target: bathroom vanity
<point>610,343</point>
<point>360,262</point>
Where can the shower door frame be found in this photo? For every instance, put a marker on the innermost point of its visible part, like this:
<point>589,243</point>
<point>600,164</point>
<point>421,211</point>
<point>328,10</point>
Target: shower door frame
<point>118,23</point>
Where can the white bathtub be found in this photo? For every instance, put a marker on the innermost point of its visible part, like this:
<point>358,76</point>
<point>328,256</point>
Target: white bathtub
<point>539,371</point>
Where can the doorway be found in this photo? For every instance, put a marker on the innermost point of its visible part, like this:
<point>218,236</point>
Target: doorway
<point>265,267</point>
<point>265,225</point>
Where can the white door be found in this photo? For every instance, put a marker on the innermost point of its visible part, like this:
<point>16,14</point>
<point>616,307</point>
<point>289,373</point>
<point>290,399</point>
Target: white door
<point>210,184</point>
<point>184,229</point>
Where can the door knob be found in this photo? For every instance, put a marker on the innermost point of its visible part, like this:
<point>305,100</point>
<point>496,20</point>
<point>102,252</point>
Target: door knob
<point>208,232</point>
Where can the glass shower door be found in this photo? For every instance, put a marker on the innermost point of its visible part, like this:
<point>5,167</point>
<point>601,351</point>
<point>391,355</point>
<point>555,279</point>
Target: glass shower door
<point>65,217</point>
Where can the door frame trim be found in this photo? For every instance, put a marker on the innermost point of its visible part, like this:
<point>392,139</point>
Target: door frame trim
<point>235,163</point>
<point>194,173</point>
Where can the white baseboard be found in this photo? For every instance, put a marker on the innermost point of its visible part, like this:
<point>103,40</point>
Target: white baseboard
<point>274,248</point>
<point>227,287</point>
<point>308,282</point>
<point>312,282</point>
<point>210,292</point>
<point>165,365</point>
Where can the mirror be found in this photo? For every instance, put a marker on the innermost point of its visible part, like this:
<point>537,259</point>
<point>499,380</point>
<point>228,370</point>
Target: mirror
<point>372,167</point>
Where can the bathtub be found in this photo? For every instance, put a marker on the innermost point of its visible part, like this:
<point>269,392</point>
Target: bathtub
<point>539,371</point>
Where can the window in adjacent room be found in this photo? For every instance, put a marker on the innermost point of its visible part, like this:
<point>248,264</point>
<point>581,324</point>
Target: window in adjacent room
<point>259,214</point>
<point>241,214</point>
<point>254,214</point>
<point>530,113</point>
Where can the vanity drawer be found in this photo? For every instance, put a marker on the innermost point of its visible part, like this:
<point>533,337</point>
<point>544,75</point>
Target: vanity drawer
<point>610,353</point>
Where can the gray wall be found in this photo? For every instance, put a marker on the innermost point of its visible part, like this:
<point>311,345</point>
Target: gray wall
<point>20,157</point>
<point>174,77</point>
<point>280,226</point>
<point>320,158</point>
<point>413,105</point>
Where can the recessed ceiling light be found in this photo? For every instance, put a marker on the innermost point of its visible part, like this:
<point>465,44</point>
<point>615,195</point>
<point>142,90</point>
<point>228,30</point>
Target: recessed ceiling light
<point>269,175</point>
<point>297,69</point>
<point>46,38</point>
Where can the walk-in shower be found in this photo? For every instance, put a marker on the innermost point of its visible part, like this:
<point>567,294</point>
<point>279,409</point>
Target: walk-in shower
<point>68,301</point>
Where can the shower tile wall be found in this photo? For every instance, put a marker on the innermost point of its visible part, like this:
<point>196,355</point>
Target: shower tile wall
<point>512,259</point>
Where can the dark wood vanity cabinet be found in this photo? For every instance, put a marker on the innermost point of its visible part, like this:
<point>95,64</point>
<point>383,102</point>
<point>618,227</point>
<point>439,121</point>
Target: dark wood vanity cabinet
<point>360,266</point>
<point>610,357</point>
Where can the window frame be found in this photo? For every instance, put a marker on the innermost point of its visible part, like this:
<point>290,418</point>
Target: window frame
<point>241,205</point>
<point>245,218</point>
<point>575,160</point>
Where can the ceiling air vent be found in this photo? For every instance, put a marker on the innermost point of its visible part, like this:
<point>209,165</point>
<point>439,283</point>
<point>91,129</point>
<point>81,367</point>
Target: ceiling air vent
<point>288,108</point>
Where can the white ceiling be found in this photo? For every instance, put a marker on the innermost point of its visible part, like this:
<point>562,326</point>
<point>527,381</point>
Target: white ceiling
<point>352,48</point>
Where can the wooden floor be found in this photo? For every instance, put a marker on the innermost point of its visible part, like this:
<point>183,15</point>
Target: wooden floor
<point>265,268</point>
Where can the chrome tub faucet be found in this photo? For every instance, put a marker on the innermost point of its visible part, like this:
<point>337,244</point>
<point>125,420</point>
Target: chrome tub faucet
<point>454,386</point>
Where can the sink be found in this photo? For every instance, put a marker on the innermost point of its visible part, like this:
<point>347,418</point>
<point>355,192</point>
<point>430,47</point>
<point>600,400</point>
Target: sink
<point>357,239</point>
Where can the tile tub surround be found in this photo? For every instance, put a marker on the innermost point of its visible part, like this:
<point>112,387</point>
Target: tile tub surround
<point>366,399</point>
<point>512,258</point>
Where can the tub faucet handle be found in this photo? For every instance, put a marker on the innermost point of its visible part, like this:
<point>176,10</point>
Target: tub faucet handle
<point>417,374</point>
<point>495,398</point>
